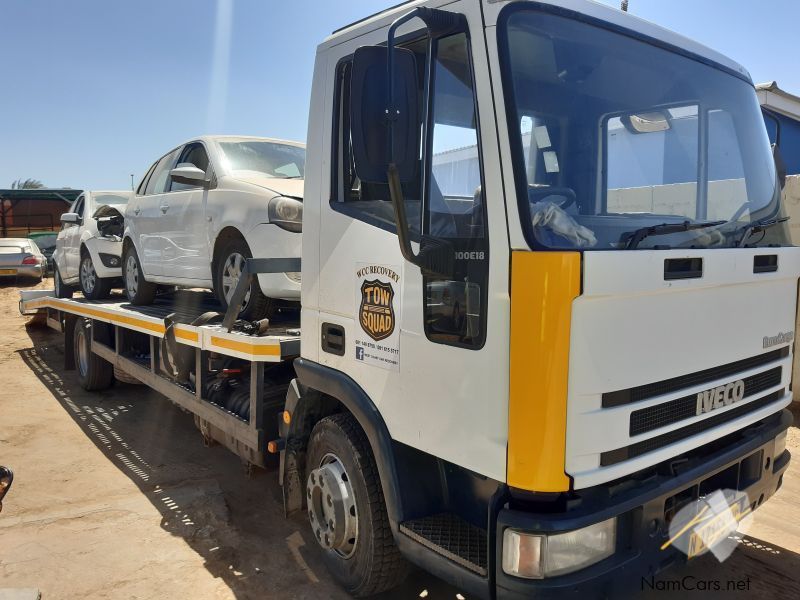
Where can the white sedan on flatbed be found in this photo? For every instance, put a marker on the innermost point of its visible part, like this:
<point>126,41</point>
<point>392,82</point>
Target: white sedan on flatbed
<point>88,252</point>
<point>205,207</point>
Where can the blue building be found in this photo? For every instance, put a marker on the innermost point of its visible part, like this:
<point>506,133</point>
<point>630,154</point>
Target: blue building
<point>782,117</point>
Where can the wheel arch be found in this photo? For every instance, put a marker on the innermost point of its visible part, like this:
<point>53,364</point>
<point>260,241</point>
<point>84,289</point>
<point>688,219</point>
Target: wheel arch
<point>229,232</point>
<point>320,391</point>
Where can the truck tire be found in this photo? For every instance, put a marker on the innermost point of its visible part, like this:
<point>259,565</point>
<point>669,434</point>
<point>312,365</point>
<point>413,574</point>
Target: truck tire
<point>137,288</point>
<point>92,285</point>
<point>94,373</point>
<point>62,290</point>
<point>347,510</point>
<point>229,263</point>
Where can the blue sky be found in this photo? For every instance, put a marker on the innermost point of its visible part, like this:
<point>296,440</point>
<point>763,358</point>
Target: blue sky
<point>94,90</point>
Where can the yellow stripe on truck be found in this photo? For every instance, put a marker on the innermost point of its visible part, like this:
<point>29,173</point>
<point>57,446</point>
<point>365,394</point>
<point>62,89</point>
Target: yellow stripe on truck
<point>543,287</point>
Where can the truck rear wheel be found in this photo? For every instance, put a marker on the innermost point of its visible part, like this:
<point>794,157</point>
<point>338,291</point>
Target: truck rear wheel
<point>347,511</point>
<point>94,373</point>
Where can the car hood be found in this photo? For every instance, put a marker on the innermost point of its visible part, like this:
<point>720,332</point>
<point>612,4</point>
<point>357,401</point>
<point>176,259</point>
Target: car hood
<point>293,188</point>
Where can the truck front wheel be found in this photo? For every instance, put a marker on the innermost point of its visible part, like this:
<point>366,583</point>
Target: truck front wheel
<point>347,511</point>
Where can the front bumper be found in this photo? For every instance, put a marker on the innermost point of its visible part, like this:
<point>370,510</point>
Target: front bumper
<point>270,241</point>
<point>642,511</point>
<point>100,249</point>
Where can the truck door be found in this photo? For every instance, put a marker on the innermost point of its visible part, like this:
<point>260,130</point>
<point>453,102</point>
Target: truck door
<point>431,352</point>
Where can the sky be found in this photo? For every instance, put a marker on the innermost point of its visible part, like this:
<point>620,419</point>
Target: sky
<point>92,91</point>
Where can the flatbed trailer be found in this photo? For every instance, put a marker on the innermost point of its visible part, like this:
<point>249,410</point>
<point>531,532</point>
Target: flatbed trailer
<point>146,342</point>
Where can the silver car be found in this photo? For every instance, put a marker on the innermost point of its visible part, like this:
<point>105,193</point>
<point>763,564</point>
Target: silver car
<point>21,257</point>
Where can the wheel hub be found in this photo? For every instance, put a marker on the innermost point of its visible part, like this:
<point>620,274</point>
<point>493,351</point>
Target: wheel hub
<point>131,275</point>
<point>332,507</point>
<point>83,349</point>
<point>231,272</point>
<point>88,275</point>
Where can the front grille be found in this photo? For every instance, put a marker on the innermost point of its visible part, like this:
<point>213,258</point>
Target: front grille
<point>651,390</point>
<point>619,455</point>
<point>661,415</point>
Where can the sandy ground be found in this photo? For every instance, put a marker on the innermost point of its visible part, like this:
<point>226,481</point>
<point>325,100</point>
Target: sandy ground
<point>115,496</point>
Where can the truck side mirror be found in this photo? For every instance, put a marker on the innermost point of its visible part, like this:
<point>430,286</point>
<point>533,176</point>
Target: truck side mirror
<point>384,130</point>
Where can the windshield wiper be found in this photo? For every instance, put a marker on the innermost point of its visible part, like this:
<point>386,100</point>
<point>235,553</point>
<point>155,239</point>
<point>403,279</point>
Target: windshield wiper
<point>756,227</point>
<point>634,238</point>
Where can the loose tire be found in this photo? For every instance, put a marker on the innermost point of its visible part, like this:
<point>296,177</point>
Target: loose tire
<point>228,269</point>
<point>62,290</point>
<point>344,494</point>
<point>137,288</point>
<point>94,373</point>
<point>92,286</point>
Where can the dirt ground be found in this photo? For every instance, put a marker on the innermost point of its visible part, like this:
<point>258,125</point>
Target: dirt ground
<point>115,496</point>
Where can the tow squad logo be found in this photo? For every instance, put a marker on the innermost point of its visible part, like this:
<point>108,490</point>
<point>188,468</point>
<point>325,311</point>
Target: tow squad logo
<point>377,309</point>
<point>723,395</point>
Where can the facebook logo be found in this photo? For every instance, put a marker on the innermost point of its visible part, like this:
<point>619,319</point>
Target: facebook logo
<point>359,353</point>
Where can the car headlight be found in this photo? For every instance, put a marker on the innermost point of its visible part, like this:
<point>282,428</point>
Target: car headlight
<point>535,556</point>
<point>286,213</point>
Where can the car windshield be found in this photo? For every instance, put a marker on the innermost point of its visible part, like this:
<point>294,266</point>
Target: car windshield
<point>281,161</point>
<point>612,135</point>
<point>110,199</point>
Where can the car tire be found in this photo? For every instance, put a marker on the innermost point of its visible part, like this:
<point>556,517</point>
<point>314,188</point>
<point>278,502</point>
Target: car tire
<point>339,454</point>
<point>137,288</point>
<point>62,290</point>
<point>92,285</point>
<point>94,373</point>
<point>229,264</point>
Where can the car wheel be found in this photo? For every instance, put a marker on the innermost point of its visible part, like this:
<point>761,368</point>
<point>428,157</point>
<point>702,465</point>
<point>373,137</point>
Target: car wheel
<point>61,289</point>
<point>92,286</point>
<point>94,373</point>
<point>227,273</point>
<point>137,288</point>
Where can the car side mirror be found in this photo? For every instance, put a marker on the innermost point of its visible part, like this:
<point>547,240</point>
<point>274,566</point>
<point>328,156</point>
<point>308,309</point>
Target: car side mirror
<point>6,477</point>
<point>188,174</point>
<point>70,219</point>
<point>385,130</point>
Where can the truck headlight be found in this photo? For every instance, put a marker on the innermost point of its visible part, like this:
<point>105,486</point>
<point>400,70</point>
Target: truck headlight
<point>535,556</point>
<point>286,213</point>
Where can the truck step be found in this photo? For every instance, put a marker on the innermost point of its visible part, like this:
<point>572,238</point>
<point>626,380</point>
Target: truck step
<point>453,538</point>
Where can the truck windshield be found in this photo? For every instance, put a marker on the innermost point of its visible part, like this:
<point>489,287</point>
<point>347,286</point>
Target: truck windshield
<point>612,135</point>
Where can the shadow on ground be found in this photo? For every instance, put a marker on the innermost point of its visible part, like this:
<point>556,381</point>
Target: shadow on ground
<point>203,494</point>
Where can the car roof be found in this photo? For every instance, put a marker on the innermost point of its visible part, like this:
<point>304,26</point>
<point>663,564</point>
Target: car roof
<point>244,138</point>
<point>14,241</point>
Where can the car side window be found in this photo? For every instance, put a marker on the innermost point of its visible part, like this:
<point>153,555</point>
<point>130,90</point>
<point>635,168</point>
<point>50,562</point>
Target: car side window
<point>140,191</point>
<point>192,154</point>
<point>159,180</point>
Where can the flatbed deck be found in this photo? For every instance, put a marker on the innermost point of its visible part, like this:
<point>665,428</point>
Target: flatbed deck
<point>281,342</point>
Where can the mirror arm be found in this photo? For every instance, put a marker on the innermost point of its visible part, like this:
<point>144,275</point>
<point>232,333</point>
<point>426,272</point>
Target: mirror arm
<point>400,218</point>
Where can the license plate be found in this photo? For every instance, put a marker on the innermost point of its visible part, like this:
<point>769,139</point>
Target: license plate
<point>8,271</point>
<point>708,533</point>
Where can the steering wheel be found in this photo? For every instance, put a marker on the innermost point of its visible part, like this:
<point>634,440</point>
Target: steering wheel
<point>565,195</point>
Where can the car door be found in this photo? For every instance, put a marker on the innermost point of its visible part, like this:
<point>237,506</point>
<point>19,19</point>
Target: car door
<point>72,240</point>
<point>186,251</point>
<point>145,214</point>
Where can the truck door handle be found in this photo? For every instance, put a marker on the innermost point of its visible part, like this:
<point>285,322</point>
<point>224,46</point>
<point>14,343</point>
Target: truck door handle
<point>333,339</point>
<point>164,208</point>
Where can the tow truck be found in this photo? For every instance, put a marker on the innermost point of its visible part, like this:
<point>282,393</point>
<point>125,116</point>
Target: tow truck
<point>548,304</point>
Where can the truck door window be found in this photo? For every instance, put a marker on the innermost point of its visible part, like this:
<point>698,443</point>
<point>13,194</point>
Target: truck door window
<point>369,202</point>
<point>454,206</point>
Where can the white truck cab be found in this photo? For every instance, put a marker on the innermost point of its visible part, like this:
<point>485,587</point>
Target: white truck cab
<point>548,297</point>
